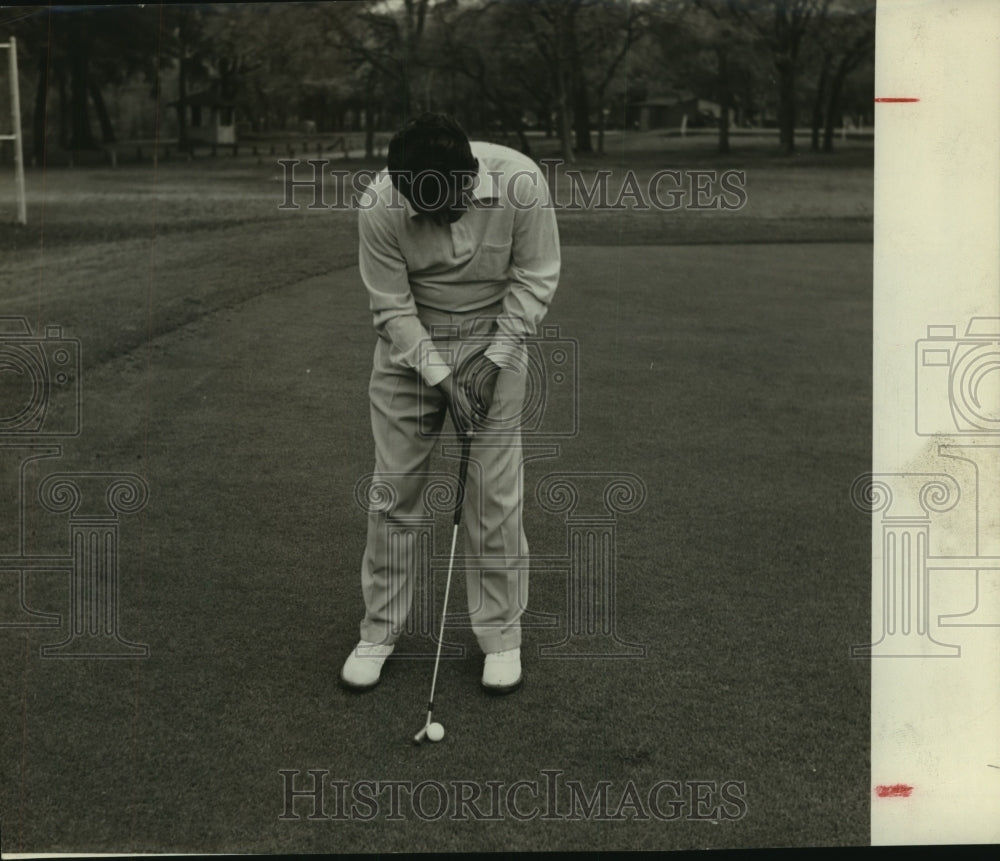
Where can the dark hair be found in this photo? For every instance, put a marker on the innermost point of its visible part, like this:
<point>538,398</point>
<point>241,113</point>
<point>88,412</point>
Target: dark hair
<point>426,159</point>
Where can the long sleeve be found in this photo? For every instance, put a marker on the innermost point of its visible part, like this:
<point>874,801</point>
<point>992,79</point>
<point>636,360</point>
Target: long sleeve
<point>384,273</point>
<point>534,272</point>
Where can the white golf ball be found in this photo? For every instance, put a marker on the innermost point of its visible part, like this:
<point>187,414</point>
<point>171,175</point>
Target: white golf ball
<point>435,732</point>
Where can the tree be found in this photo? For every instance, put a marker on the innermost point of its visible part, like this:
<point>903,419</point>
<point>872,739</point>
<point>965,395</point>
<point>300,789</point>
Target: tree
<point>844,39</point>
<point>31,29</point>
<point>609,31</point>
<point>550,24</point>
<point>185,26</point>
<point>502,78</point>
<point>386,37</point>
<point>104,45</point>
<point>717,54</point>
<point>86,48</point>
<point>782,25</point>
<point>707,47</point>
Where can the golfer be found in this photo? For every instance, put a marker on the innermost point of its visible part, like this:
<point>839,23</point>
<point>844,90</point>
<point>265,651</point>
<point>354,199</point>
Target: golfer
<point>459,254</point>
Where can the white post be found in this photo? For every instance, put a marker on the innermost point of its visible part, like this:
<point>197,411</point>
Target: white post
<point>15,110</point>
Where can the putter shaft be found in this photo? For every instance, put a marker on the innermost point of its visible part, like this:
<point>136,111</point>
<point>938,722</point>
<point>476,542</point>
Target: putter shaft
<point>463,471</point>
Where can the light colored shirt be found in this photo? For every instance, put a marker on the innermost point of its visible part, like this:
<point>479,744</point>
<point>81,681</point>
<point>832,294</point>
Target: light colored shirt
<point>504,248</point>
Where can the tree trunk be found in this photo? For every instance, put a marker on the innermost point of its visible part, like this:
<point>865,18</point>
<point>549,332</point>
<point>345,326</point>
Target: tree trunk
<point>369,123</point>
<point>405,98</point>
<point>820,102</point>
<point>600,124</point>
<point>725,99</point>
<point>41,104</point>
<point>558,68</point>
<point>523,139</point>
<point>833,106</point>
<point>562,116</point>
<point>63,109</point>
<point>182,135</point>
<point>581,103</point>
<point>565,129</point>
<point>81,135</point>
<point>107,129</point>
<point>428,87</point>
<point>581,118</point>
<point>786,106</point>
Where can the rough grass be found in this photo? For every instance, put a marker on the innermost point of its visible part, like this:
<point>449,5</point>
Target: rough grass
<point>806,197</point>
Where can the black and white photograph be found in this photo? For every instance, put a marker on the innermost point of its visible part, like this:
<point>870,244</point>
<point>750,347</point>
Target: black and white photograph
<point>435,426</point>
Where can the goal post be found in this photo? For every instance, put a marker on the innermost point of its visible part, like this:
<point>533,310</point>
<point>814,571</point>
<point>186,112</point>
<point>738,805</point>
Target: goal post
<point>15,115</point>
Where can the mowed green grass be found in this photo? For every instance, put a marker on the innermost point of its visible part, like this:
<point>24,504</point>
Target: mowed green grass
<point>228,367</point>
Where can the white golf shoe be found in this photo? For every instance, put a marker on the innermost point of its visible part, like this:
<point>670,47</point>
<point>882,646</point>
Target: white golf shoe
<point>502,671</point>
<point>363,667</point>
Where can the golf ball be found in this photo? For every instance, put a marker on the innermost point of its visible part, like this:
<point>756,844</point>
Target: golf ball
<point>435,732</point>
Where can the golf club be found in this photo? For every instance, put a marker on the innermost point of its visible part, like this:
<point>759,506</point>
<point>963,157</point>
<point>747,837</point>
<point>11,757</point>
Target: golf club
<point>435,731</point>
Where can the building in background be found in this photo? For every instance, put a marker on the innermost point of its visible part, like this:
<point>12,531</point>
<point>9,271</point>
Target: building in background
<point>669,111</point>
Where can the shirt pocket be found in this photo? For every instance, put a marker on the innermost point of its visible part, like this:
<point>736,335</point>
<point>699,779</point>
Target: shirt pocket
<point>493,261</point>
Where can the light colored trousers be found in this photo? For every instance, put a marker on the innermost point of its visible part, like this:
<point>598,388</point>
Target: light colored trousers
<point>408,417</point>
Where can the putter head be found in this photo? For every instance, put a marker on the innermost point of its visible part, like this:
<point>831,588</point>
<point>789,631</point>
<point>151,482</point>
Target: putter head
<point>420,736</point>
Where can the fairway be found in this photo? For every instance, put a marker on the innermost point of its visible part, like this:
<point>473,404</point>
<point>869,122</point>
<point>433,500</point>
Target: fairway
<point>730,381</point>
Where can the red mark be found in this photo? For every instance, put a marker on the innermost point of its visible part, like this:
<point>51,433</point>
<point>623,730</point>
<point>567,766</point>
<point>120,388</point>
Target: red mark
<point>896,100</point>
<point>896,790</point>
